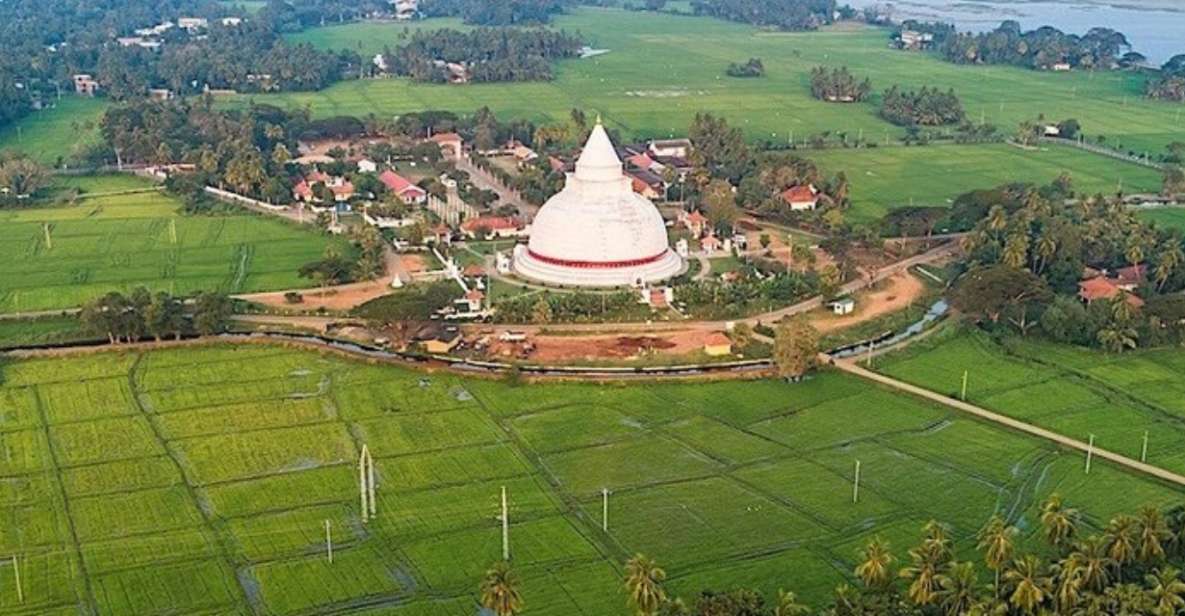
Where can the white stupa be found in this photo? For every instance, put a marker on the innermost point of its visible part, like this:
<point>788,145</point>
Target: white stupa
<point>597,232</point>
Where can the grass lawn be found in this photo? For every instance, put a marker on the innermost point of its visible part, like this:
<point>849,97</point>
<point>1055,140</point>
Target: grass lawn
<point>889,177</point>
<point>119,242</point>
<point>54,133</point>
<point>199,480</point>
<point>1076,392</point>
<point>662,69</point>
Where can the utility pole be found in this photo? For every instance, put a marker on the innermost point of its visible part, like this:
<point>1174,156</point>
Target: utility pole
<point>48,239</point>
<point>963,396</point>
<point>856,484</point>
<point>16,572</point>
<point>505,528</point>
<point>366,484</point>
<point>1144,449</point>
<point>871,350</point>
<point>1089,454</point>
<point>328,542</point>
<point>605,509</point>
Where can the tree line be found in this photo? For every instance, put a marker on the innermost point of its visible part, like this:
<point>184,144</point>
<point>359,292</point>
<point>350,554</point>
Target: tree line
<point>838,85</point>
<point>1043,48</point>
<point>487,54</point>
<point>501,13</point>
<point>781,14</point>
<point>1169,85</point>
<point>140,314</point>
<point>1131,566</point>
<point>925,107</point>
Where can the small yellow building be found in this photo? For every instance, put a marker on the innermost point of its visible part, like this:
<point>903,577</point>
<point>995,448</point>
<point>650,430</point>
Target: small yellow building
<point>717,345</point>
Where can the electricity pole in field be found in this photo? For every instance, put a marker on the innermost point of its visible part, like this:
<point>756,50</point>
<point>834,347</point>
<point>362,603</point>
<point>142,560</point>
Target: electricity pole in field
<point>328,542</point>
<point>964,393</point>
<point>1089,454</point>
<point>366,484</point>
<point>1144,449</point>
<point>505,528</point>
<point>856,484</point>
<point>605,509</point>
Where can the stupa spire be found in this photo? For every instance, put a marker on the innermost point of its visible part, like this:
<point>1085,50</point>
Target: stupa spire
<point>598,161</point>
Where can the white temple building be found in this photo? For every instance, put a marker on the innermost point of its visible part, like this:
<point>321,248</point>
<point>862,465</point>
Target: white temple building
<point>597,232</point>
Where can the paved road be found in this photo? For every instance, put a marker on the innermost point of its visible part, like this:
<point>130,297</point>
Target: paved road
<point>850,366</point>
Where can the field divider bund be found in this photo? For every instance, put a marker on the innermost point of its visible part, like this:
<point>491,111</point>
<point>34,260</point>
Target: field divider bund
<point>1059,439</point>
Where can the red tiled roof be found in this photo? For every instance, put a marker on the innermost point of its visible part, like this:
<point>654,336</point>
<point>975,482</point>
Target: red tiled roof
<point>493,223</point>
<point>398,184</point>
<point>717,339</point>
<point>445,137</point>
<point>800,194</point>
<point>642,161</point>
<point>303,190</point>
<point>475,295</point>
<point>317,176</point>
<point>1096,289</point>
<point>696,218</point>
<point>658,298</point>
<point>345,189</point>
<point>1133,274</point>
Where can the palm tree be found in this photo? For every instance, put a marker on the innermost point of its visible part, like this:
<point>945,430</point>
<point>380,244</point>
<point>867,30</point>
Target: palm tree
<point>956,593</point>
<point>1091,561</point>
<point>874,569</point>
<point>937,534</point>
<point>1121,542</point>
<point>1067,593</point>
<point>1117,339</point>
<point>1016,250</point>
<point>1031,585</point>
<point>500,590</point>
<point>643,582</point>
<point>1059,522</point>
<point>1046,249</point>
<point>1167,590</point>
<point>788,605</point>
<point>924,573</point>
<point>995,541</point>
<point>1153,532</point>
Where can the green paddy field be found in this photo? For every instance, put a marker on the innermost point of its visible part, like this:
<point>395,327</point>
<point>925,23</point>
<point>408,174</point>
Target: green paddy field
<point>661,69</point>
<point>890,177</point>
<point>56,132</point>
<point>198,481</point>
<point>123,233</point>
<point>1076,392</point>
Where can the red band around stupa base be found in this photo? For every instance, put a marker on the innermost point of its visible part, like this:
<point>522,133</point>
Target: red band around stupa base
<point>597,264</point>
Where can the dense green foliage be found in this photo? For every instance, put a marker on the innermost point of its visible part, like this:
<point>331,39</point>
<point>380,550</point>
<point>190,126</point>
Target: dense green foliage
<point>752,68</point>
<point>487,54</point>
<point>1043,48</point>
<point>1170,83</point>
<point>501,13</point>
<point>784,14</point>
<point>838,85</point>
<point>925,107</point>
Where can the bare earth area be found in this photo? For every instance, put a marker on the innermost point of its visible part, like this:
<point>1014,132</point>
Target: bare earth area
<point>894,294</point>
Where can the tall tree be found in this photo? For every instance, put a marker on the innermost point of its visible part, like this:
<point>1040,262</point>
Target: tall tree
<point>500,591</point>
<point>643,583</point>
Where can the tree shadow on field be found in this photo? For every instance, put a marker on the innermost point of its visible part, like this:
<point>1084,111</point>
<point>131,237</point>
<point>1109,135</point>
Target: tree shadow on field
<point>4,362</point>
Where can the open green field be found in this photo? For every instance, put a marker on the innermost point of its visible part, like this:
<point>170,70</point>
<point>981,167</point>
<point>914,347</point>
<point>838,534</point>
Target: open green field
<point>121,241</point>
<point>1073,391</point>
<point>54,133</point>
<point>199,480</point>
<point>889,177</point>
<point>663,68</point>
<point>1168,218</point>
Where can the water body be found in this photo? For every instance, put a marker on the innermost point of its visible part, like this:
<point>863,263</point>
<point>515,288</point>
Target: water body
<point>1155,28</point>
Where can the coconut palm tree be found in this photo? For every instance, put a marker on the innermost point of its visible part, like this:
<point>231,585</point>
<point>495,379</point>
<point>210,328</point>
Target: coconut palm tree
<point>874,569</point>
<point>924,573</point>
<point>1029,582</point>
<point>957,592</point>
<point>1067,579</point>
<point>788,605</point>
<point>500,590</point>
<point>1016,250</point>
<point>643,583</point>
<point>1092,563</point>
<point>937,534</point>
<point>1171,258</point>
<point>1117,339</point>
<point>1166,590</point>
<point>1152,533</point>
<point>1120,536</point>
<point>1046,249</point>
<point>996,543</point>
<point>1058,522</point>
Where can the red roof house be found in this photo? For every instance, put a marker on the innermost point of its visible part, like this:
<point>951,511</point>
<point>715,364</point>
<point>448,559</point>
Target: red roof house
<point>1101,288</point>
<point>695,222</point>
<point>801,198</point>
<point>402,187</point>
<point>497,226</point>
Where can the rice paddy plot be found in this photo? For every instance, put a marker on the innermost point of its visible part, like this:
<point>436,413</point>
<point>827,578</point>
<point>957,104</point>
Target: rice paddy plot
<point>64,255</point>
<point>56,132</point>
<point>192,489</point>
<point>661,70</point>
<point>885,178</point>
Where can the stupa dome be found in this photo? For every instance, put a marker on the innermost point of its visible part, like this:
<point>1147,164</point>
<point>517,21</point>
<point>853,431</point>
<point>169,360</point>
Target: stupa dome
<point>597,231</point>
